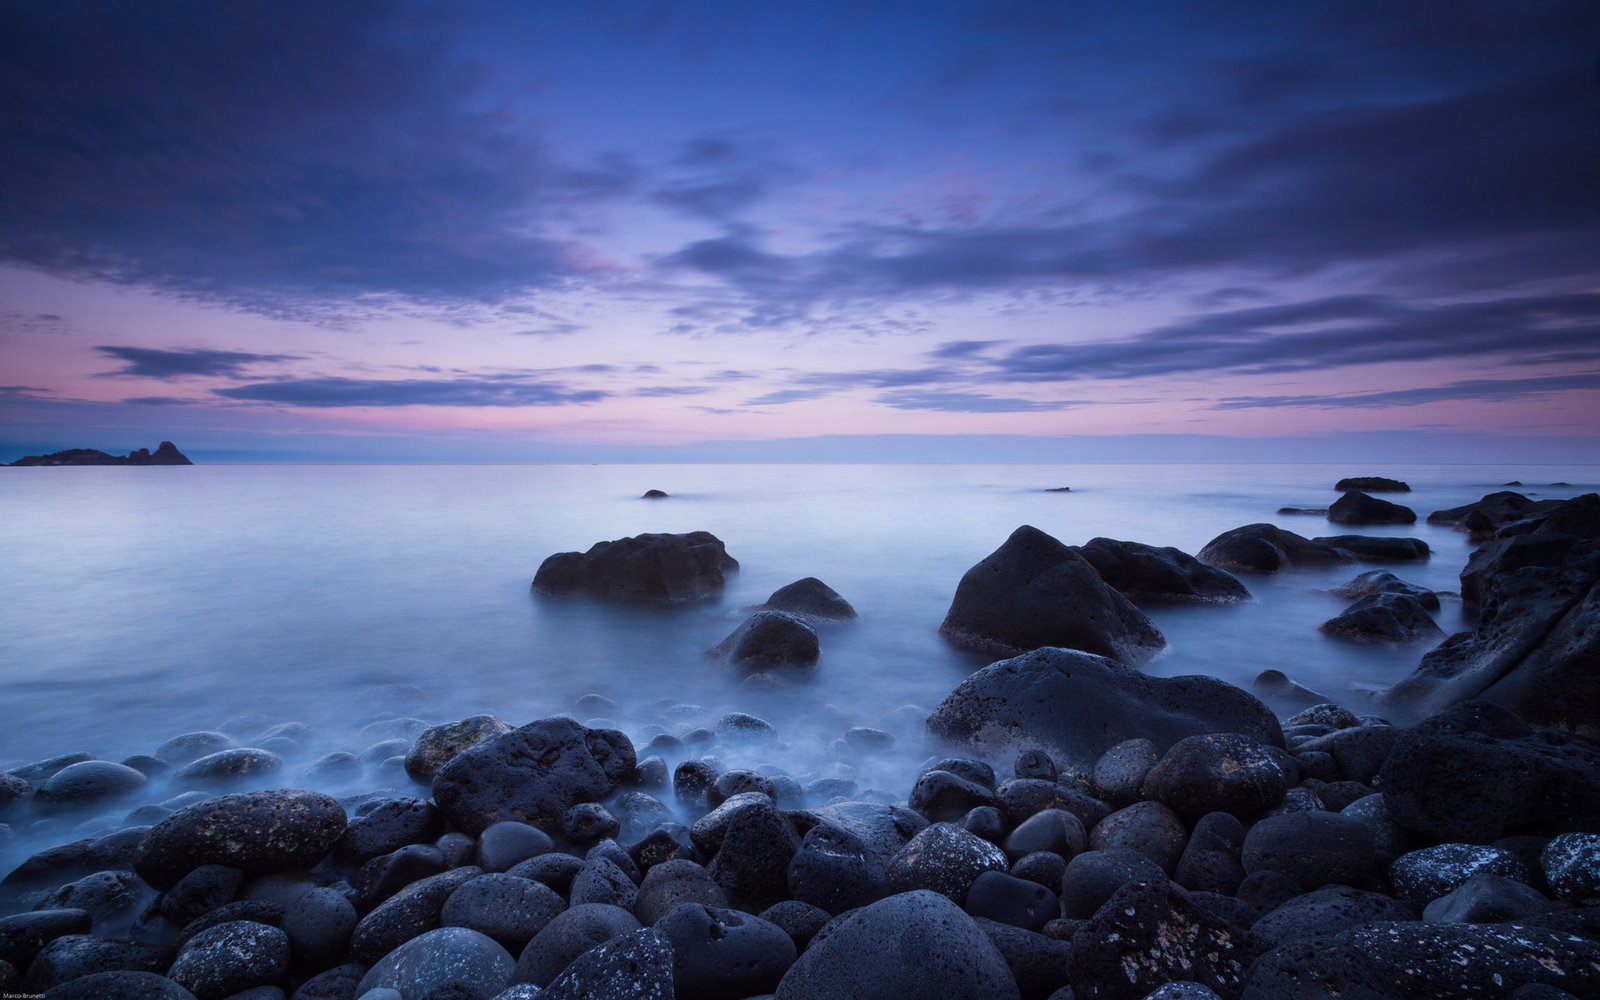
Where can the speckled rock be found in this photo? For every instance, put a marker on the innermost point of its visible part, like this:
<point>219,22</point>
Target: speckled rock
<point>1217,771</point>
<point>255,832</point>
<point>231,957</point>
<point>1149,828</point>
<point>654,568</point>
<point>1571,864</point>
<point>1384,617</point>
<point>1423,876</point>
<point>388,826</point>
<point>1325,912</point>
<point>73,955</point>
<point>1094,876</point>
<point>634,966</point>
<point>435,747</point>
<point>229,767</point>
<point>121,985</point>
<point>882,828</point>
<point>509,909</point>
<point>412,911</point>
<point>1149,933</point>
<point>91,781</point>
<point>752,858</point>
<point>602,881</point>
<point>1008,900</point>
<point>670,883</point>
<point>834,871</point>
<point>1474,960</point>
<point>941,796</point>
<point>943,858</point>
<point>570,934</point>
<point>1486,898</point>
<point>1119,773</point>
<point>1380,581</point>
<point>722,954</point>
<point>1312,848</point>
<point>1356,507</point>
<point>1038,963</point>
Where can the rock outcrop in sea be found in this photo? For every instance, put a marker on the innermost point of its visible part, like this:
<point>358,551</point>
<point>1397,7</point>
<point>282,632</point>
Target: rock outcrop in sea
<point>166,453</point>
<point>657,568</point>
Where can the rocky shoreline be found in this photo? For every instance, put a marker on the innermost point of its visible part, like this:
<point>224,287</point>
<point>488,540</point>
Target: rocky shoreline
<point>166,453</point>
<point>1079,829</point>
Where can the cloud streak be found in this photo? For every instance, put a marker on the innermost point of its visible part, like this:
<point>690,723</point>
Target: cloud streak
<point>165,365</point>
<point>335,392</point>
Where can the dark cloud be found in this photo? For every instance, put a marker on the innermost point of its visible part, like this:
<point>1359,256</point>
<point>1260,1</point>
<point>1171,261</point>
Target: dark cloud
<point>1477,390</point>
<point>664,391</point>
<point>160,401</point>
<point>323,393</point>
<point>964,348</point>
<point>147,362</point>
<point>968,402</point>
<point>22,392</point>
<point>553,330</point>
<point>781,396</point>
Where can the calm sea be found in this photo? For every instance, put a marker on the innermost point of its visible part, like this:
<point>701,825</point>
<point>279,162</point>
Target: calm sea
<point>139,603</point>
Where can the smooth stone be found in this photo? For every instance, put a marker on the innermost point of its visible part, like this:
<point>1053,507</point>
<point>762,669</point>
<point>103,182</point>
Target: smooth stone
<point>319,924</point>
<point>1372,484</point>
<point>1055,830</point>
<point>672,883</point>
<point>801,921</point>
<point>1095,876</point>
<point>1325,912</point>
<point>438,745</point>
<point>1486,898</point>
<point>388,826</point>
<point>74,955</point>
<point>1045,868</point>
<point>1423,876</point>
<point>384,876</point>
<point>722,954</point>
<point>770,640</point>
<point>1038,963</point>
<point>941,796</point>
<point>945,859</point>
<point>227,767</point>
<point>1266,548</point>
<point>1217,772</point>
<point>752,859</point>
<point>1211,861</point>
<point>22,935</point>
<point>1369,548</point>
<point>1147,828</point>
<point>652,568</point>
<point>200,891</point>
<point>231,957</point>
<point>188,747</point>
<point>1008,900</point>
<point>601,881</point>
<point>410,912</point>
<point>337,983</point>
<point>1474,960</point>
<point>1119,773</point>
<point>834,871</point>
<point>1385,617</point>
<point>555,869</point>
<point>571,933</point>
<point>883,828</point>
<point>253,831</point>
<point>1312,848</point>
<point>633,966</point>
<point>1356,507</point>
<point>422,967</point>
<point>91,781</point>
<point>1145,573</point>
<point>507,908</point>
<point>812,598</point>
<point>122,984</point>
<point>508,843</point>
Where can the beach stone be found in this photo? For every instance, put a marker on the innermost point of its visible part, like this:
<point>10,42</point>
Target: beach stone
<point>812,598</point>
<point>1312,848</point>
<point>571,933</point>
<point>1094,877</point>
<point>427,964</point>
<point>1422,876</point>
<point>942,796</point>
<point>1474,960</point>
<point>201,891</point>
<point>412,911</point>
<point>967,768</point>
<point>634,966</point>
<point>1379,581</point>
<point>601,881</point>
<point>639,814</point>
<point>1144,573</point>
<point>883,828</point>
<point>1359,752</point>
<point>436,745</point>
<point>801,921</point>
<point>1148,828</point>
<point>986,822</point>
<point>737,782</point>
<point>1003,898</point>
<point>388,826</point>
<point>1075,706</point>
<point>1356,507</point>
<point>231,957</point>
<point>1038,963</point>
<point>256,832</point>
<point>384,876</point>
<point>1034,764</point>
<point>106,896</point>
<point>1486,898</point>
<point>1021,798</point>
<point>507,908</point>
<point>1312,970</point>
<point>72,956</point>
<point>1149,933</point>
<point>722,954</point>
<point>122,985</point>
<point>1217,771</point>
<point>945,859</point>
<point>1182,991</point>
<point>1211,859</point>
<point>770,640</point>
<point>556,869</point>
<point>256,911</point>
<point>503,845</point>
<point>188,747</point>
<point>337,983</point>
<point>1119,773</point>
<point>752,860</point>
<point>667,842</point>
<point>1045,868</point>
<point>1266,548</point>
<point>1328,714</point>
<point>741,727</point>
<point>533,774</point>
<point>1476,773</point>
<point>22,935</point>
<point>319,924</point>
<point>1325,912</point>
<point>1335,795</point>
<point>13,790</point>
<point>1371,484</point>
<point>834,871</point>
<point>1493,509</point>
<point>1035,592</point>
<point>1372,548</point>
<point>918,946</point>
<point>1055,830</point>
<point>1383,618</point>
<point>227,767</point>
<point>674,882</point>
<point>657,568</point>
<point>1571,865</point>
<point>90,781</point>
<point>707,832</point>
<point>588,822</point>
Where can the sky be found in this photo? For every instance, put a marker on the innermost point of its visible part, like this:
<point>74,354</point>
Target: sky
<point>561,230</point>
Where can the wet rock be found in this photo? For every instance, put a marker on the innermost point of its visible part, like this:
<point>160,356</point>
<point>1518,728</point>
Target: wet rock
<point>188,747</point>
<point>338,983</point>
<point>834,871</point>
<point>812,598</point>
<point>555,869</point>
<point>1148,828</point>
<point>1485,898</point>
<point>231,957</point>
<point>672,883</point>
<point>384,876</point>
<point>1002,898</point>
<point>1571,865</point>
<point>1149,933</point>
<point>1492,510</point>
<point>22,935</point>
<point>1094,876</point>
<point>319,924</point>
<point>1384,618</point>
<point>634,966</point>
<point>945,859</point>
<point>942,796</point>
<point>1217,771</point>
<point>72,956</point>
<point>588,822</point>
<point>654,495</point>
<point>388,826</point>
<point>1021,798</point>
<point>1038,963</point>
<point>1474,960</point>
<point>422,968</point>
<point>1360,753</point>
<point>1055,830</point>
<point>752,861</point>
<point>1312,848</point>
<point>412,911</point>
<point>201,891</point>
<point>721,954</point>
<point>1325,912</point>
<point>601,881</point>
<point>508,843</point>
<point>1356,507</point>
<point>121,985</point>
<point>533,774</point>
<point>1075,706</point>
<point>1379,581</point>
<point>919,946</point>
<point>1266,548</point>
<point>1371,484</point>
<point>91,781</point>
<point>570,934</point>
<point>1144,573</point>
<point>739,727</point>
<point>108,897</point>
<point>439,744</point>
<point>256,911</point>
<point>1373,548</point>
<point>1035,592</point>
<point>770,640</point>
<point>1034,764</point>
<point>255,832</point>
<point>1045,868</point>
<point>227,767</point>
<point>1310,970</point>
<point>657,568</point>
<point>882,828</point>
<point>801,921</point>
<point>1211,860</point>
<point>1119,774</point>
<point>1423,876</point>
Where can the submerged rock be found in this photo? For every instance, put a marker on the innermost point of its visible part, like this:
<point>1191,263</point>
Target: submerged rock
<point>253,831</point>
<point>659,568</point>
<point>1034,591</point>
<point>1378,581</point>
<point>1384,617</point>
<point>1371,484</point>
<point>812,598</point>
<point>1267,548</point>
<point>1374,548</point>
<point>1358,508</point>
<point>770,640</point>
<point>436,746</point>
<point>1146,573</point>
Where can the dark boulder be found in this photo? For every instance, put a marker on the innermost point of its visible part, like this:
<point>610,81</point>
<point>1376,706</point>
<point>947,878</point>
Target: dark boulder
<point>427,965</point>
<point>1476,773</point>
<point>1038,963</point>
<point>570,934</point>
<point>256,832</point>
<point>388,826</point>
<point>1150,933</point>
<point>752,858</point>
<point>319,924</point>
<point>1311,970</point>
<point>1094,877</point>
<point>720,954</point>
<point>1379,581</point>
<point>913,946</point>
<point>1423,876</point>
<point>1371,484</point>
<point>654,495</point>
<point>1490,511</point>
<point>1119,773</point>
<point>1384,617</point>
<point>89,782</point>
<point>834,871</point>
<point>1034,591</point>
<point>1075,706</point>
<point>507,908</point>
<point>1009,900</point>
<point>883,829</point>
<point>231,958</point>
<point>672,883</point>
<point>1218,771</point>
<point>943,858</point>
<point>1325,912</point>
<point>1312,848</point>
<point>1210,861</point>
<point>812,598</point>
<point>533,774</point>
<point>942,795</point>
<point>1358,508</point>
<point>76,955</point>
<point>230,767</point>
<point>121,985</point>
<point>1145,573</point>
<point>1422,960</point>
<point>632,966</point>
<point>412,911</point>
<point>1571,865</point>
<point>1372,548</point>
<point>22,935</point>
<point>1266,548</point>
<point>1148,828</point>
<point>438,745</point>
<point>659,568</point>
<point>770,640</point>
<point>1485,898</point>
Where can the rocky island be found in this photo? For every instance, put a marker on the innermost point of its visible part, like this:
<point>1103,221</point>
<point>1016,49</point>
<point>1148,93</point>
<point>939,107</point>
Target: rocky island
<point>166,453</point>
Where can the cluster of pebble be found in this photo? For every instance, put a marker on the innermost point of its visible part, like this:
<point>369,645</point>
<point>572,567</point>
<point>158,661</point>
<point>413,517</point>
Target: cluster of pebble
<point>1455,858</point>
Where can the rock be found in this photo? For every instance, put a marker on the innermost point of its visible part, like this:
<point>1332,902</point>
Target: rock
<point>509,909</point>
<point>720,954</point>
<point>1476,773</point>
<point>657,568</point>
<point>421,967</point>
<point>1266,548</point>
<point>1358,752</point>
<point>633,966</point>
<point>1474,960</point>
<point>835,872</point>
<point>1378,581</point>
<point>1493,509</point>
<point>570,934</point>
<point>1211,860</point>
<point>1358,508</point>
<point>1371,484</point>
<point>384,876</point>
<point>506,844</point>
<point>1119,773</point>
<point>201,891</point>
<point>1002,898</point>
<point>671,883</point>
<point>256,832</point>
<point>1149,933</point>
<point>108,897</point>
<point>338,983</point>
<point>1055,830</point>
<point>811,598</point>
<point>555,869</point>
<point>1323,913</point>
<point>1074,706</point>
<point>739,727</point>
<point>589,822</point>
<point>319,924</point>
<point>770,640</point>
<point>22,935</point>
<point>1384,618</point>
<point>917,946</point>
<point>412,911</point>
<point>1182,991</point>
<point>601,881</point>
<point>1094,877</point>
<point>1034,764</point>
<point>533,774</point>
<point>231,957</point>
<point>945,859</point>
<point>801,921</point>
<point>1148,828</point>
<point>228,767</point>
<point>883,829</point>
<point>942,796</point>
<point>752,861</point>
<point>90,781</point>
<point>1217,771</point>
<point>1485,898</point>
<point>72,956</point>
<point>388,826</point>
<point>1034,592</point>
<point>438,745</point>
<point>1144,573</point>
<point>1423,876</point>
<point>122,985</point>
<point>654,495</point>
<point>1571,864</point>
<point>1371,548</point>
<point>1310,970</point>
<point>1388,840</point>
<point>1313,848</point>
<point>1038,963</point>
<point>187,747</point>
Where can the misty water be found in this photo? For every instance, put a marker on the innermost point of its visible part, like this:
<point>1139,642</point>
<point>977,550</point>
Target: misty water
<point>139,603</point>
